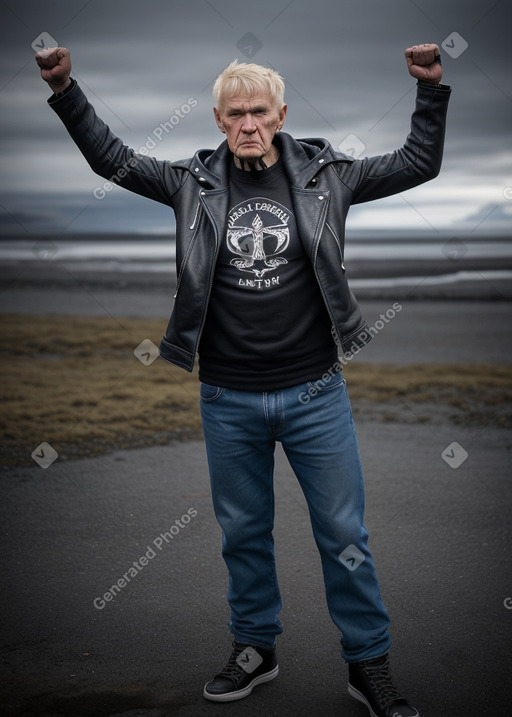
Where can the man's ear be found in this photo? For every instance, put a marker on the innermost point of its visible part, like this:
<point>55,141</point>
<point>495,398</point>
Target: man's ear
<point>218,120</point>
<point>282,116</point>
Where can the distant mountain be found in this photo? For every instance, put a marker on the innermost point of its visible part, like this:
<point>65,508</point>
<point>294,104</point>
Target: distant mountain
<point>490,218</point>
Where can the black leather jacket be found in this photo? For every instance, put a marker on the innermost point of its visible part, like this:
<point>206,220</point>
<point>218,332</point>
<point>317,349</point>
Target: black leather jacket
<point>323,183</point>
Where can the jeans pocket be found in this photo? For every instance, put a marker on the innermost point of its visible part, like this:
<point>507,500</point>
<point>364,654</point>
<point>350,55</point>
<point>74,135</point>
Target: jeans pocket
<point>327,382</point>
<point>209,393</point>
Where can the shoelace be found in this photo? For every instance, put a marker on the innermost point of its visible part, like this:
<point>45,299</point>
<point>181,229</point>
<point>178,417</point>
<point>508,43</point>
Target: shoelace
<point>233,669</point>
<point>382,684</point>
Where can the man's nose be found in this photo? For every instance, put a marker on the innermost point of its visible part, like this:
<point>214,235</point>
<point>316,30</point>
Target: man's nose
<point>248,124</point>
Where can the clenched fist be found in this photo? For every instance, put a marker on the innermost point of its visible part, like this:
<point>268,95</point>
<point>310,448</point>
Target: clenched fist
<point>423,62</point>
<point>55,64</point>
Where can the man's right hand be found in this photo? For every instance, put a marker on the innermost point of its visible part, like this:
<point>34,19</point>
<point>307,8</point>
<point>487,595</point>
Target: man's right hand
<point>55,64</point>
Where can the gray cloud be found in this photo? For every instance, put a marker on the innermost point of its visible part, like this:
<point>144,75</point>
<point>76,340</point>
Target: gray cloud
<point>343,65</point>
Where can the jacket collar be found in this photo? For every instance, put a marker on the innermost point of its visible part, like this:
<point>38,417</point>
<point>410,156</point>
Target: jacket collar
<point>302,160</point>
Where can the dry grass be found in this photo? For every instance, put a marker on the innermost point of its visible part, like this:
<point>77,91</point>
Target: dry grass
<point>456,384</point>
<point>75,383</point>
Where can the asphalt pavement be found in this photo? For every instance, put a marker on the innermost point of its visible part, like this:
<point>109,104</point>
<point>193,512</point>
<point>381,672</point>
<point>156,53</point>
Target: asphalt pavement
<point>438,510</point>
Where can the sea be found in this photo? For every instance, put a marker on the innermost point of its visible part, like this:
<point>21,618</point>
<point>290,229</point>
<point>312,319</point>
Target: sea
<point>372,263</point>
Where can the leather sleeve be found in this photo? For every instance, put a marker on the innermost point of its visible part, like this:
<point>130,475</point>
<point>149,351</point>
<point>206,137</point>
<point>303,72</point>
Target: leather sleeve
<point>418,161</point>
<point>108,156</point>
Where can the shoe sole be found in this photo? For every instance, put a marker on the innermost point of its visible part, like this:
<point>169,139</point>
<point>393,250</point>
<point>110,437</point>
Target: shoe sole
<point>240,694</point>
<point>361,698</point>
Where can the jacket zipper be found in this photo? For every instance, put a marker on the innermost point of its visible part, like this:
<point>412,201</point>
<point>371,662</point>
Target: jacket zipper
<point>336,337</point>
<point>210,282</point>
<point>324,298</point>
<point>189,249</point>
<point>195,216</point>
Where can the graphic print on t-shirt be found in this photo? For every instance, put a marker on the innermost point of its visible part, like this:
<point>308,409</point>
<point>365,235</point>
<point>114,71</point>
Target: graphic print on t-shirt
<point>258,233</point>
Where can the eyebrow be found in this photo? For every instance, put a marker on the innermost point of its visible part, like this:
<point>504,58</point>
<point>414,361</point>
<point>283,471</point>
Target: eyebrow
<point>257,108</point>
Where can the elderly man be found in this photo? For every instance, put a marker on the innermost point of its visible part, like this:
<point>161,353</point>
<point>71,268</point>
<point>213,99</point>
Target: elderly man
<point>262,297</point>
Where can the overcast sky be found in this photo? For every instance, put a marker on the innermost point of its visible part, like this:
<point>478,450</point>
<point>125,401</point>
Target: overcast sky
<point>345,76</point>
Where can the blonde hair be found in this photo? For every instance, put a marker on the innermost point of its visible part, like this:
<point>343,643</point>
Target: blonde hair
<point>248,78</point>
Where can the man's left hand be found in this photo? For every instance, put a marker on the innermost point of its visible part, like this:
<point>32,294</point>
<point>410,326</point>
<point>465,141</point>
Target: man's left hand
<point>423,63</point>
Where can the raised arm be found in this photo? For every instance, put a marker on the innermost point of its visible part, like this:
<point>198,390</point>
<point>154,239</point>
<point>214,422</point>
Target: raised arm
<point>105,153</point>
<point>419,160</point>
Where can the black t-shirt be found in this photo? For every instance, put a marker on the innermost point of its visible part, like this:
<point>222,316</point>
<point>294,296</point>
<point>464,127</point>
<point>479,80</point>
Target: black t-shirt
<point>267,327</point>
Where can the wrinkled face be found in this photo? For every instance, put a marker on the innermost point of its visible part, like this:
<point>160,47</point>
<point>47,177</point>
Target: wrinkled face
<point>250,123</point>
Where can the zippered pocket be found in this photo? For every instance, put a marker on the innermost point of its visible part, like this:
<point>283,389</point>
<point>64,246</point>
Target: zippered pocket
<point>338,244</point>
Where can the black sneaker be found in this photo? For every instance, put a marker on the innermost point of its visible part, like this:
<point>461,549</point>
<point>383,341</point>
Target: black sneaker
<point>247,667</point>
<point>369,682</point>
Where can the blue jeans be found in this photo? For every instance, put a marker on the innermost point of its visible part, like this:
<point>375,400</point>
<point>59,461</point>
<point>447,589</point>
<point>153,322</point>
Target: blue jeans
<point>313,422</point>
